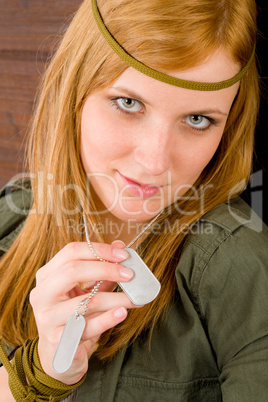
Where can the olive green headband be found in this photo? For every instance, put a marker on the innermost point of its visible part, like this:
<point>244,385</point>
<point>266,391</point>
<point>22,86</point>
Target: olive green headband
<point>131,61</point>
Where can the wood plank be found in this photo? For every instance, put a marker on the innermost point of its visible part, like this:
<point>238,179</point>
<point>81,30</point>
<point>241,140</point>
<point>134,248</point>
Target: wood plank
<point>15,106</point>
<point>29,30</point>
<point>22,67</point>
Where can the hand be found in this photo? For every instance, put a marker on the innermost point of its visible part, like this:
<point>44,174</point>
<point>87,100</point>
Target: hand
<point>57,294</point>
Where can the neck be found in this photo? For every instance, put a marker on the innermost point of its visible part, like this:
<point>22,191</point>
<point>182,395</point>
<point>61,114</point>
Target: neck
<point>131,232</point>
<point>115,229</point>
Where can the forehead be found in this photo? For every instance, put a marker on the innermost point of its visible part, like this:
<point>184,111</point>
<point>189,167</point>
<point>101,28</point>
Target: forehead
<point>218,67</point>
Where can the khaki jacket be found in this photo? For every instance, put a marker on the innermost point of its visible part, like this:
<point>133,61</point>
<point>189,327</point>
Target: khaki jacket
<point>213,343</point>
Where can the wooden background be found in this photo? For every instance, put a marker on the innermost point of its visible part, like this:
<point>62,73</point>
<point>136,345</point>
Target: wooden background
<point>28,30</point>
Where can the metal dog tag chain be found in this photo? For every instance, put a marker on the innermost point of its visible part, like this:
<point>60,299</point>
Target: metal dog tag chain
<point>71,335</point>
<point>142,289</point>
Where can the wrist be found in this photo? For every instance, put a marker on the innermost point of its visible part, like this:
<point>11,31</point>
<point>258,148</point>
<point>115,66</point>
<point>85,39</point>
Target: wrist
<point>26,365</point>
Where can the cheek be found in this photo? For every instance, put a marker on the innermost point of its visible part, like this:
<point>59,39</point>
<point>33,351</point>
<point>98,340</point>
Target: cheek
<point>102,139</point>
<point>94,128</point>
<point>195,156</point>
<point>206,151</point>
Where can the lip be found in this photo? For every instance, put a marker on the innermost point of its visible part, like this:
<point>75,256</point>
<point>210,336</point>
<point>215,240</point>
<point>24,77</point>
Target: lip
<point>140,189</point>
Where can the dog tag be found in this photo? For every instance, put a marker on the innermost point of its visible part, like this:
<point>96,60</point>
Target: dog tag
<point>144,287</point>
<point>68,343</point>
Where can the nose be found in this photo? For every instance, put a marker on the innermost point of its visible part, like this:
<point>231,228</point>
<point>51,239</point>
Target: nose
<point>153,152</point>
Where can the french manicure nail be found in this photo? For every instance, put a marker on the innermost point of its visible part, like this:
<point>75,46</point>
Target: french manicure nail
<point>126,273</point>
<point>120,313</point>
<point>120,253</point>
<point>119,241</point>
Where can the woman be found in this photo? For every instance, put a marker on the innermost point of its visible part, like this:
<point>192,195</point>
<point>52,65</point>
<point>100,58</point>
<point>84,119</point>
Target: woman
<point>161,130</point>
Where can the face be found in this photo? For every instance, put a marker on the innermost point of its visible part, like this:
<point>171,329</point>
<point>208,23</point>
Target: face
<point>144,143</point>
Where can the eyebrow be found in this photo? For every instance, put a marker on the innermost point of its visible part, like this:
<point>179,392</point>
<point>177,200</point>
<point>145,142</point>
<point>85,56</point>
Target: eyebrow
<point>212,111</point>
<point>131,94</point>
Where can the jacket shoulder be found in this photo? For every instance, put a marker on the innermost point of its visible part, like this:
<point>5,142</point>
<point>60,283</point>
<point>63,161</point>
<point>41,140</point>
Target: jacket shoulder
<point>233,219</point>
<point>15,203</point>
<point>229,238</point>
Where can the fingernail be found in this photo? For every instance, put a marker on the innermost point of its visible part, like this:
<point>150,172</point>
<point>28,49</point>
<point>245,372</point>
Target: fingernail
<point>120,253</point>
<point>126,273</point>
<point>119,241</point>
<point>120,313</point>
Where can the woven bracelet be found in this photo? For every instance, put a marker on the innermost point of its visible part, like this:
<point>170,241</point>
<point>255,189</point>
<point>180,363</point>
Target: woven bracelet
<point>40,387</point>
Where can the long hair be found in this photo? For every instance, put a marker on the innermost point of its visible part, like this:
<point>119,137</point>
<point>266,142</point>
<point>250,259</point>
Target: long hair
<point>155,32</point>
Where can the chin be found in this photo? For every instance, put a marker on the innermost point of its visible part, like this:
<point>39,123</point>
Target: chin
<point>138,211</point>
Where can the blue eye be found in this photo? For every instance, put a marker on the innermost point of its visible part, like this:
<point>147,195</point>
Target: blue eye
<point>128,104</point>
<point>198,122</point>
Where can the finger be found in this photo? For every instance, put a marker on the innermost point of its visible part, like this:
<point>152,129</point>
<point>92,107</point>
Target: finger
<point>97,325</point>
<point>78,290</point>
<point>106,301</point>
<point>80,251</point>
<point>86,287</point>
<point>101,302</point>
<point>69,275</point>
